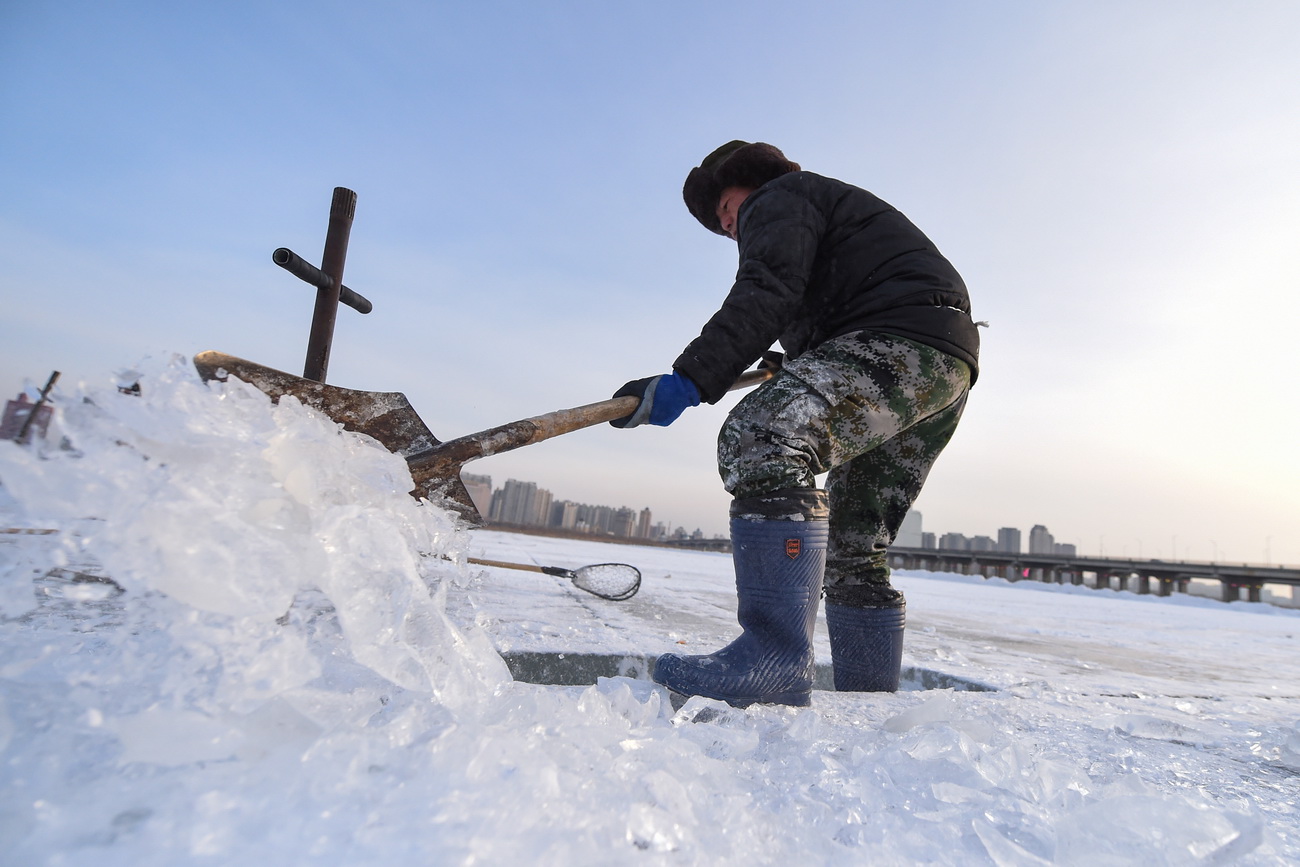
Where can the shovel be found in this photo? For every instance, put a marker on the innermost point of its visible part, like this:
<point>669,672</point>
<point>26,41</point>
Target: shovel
<point>388,417</point>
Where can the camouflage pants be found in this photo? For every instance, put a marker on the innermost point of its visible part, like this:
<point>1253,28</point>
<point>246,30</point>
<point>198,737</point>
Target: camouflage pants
<point>873,410</point>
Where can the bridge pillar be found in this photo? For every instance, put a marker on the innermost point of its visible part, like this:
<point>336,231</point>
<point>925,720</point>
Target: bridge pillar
<point>1164,586</point>
<point>1228,592</point>
<point>1253,592</point>
<point>1144,585</point>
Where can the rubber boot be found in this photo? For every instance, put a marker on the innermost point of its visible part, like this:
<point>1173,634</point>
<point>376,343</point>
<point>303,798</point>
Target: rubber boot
<point>866,646</point>
<point>779,551</point>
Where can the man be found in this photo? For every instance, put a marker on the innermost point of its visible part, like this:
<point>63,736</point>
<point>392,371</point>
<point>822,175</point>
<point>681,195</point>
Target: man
<point>880,352</point>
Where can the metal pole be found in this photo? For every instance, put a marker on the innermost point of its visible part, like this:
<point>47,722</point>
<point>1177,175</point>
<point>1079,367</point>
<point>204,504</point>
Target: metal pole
<point>309,273</point>
<point>342,210</point>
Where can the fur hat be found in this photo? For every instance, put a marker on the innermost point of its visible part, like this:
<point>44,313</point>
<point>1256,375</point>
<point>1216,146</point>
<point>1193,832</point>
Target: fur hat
<point>735,164</point>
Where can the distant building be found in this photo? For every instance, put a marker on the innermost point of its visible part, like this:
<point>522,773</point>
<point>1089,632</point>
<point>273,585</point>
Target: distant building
<point>1041,541</point>
<point>954,542</point>
<point>567,517</point>
<point>1009,540</point>
<point>541,512</point>
<point>520,503</point>
<point>928,541</point>
<point>624,523</point>
<point>600,519</point>
<point>909,534</point>
<point>1062,549</point>
<point>643,525</point>
<point>983,543</point>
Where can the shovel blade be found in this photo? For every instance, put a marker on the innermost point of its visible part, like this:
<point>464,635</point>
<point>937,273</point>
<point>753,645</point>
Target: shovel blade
<point>386,416</point>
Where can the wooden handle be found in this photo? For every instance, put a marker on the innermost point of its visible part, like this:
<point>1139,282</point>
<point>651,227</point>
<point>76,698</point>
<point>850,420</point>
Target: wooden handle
<point>566,420</point>
<point>523,567</point>
<point>444,461</point>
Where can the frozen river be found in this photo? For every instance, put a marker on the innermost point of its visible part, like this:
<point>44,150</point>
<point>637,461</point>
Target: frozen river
<point>300,667</point>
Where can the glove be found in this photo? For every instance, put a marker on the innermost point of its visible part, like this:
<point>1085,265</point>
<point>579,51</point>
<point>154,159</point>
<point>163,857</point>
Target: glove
<point>663,399</point>
<point>771,360</point>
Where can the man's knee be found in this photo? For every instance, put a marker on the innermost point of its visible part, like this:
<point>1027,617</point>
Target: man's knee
<point>772,440</point>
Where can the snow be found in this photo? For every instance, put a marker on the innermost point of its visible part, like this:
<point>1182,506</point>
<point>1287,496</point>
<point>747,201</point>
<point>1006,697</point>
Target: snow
<point>302,668</point>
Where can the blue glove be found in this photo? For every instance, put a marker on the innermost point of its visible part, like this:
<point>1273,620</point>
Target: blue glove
<point>663,399</point>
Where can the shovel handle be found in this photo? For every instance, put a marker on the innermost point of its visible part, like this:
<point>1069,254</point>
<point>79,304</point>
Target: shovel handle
<point>558,571</point>
<point>566,420</point>
<point>523,567</point>
<point>444,460</point>
<point>307,272</point>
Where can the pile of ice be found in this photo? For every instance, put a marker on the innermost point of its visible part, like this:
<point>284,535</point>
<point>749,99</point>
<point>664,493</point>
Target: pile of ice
<point>277,682</point>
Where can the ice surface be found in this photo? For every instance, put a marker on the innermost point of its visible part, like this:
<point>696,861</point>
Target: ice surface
<point>300,668</point>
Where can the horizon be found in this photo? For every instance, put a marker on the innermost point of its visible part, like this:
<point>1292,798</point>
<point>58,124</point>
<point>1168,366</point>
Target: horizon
<point>671,526</point>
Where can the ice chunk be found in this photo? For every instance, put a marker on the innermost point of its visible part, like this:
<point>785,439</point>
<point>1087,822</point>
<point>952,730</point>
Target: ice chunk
<point>1153,828</point>
<point>164,736</point>
<point>1157,728</point>
<point>1289,753</point>
<point>938,708</point>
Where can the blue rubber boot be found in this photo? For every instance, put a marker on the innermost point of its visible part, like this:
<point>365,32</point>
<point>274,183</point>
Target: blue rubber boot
<point>866,646</point>
<point>779,550</point>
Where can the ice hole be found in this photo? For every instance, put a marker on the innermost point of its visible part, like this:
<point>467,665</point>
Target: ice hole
<point>583,669</point>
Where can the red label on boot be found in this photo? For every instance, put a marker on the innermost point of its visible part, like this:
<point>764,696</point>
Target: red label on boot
<point>792,548</point>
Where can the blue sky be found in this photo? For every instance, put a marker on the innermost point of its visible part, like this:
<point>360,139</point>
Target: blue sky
<point>1116,181</point>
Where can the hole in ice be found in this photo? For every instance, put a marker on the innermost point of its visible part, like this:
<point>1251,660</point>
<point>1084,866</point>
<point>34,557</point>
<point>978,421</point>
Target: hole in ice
<point>583,669</point>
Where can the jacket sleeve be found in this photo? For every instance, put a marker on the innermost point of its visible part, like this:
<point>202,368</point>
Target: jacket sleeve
<point>779,235</point>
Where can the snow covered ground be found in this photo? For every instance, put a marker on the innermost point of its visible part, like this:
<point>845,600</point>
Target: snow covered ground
<point>301,668</point>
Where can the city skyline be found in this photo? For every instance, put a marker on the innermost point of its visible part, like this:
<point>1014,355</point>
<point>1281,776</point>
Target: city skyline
<point>1114,182</point>
<point>489,501</point>
<point>524,503</point>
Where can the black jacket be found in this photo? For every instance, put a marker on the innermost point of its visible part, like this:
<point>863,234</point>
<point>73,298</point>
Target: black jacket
<point>820,258</point>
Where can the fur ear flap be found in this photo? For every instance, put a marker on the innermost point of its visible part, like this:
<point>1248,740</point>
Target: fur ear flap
<point>701,193</point>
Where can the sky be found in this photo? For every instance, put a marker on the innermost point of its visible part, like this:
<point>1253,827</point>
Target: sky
<point>1116,182</point>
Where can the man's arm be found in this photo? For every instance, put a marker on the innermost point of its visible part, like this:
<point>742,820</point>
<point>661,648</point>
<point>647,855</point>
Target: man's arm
<point>779,235</point>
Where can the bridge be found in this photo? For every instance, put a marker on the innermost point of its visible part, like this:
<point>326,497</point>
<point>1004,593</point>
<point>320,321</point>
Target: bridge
<point>1163,577</point>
